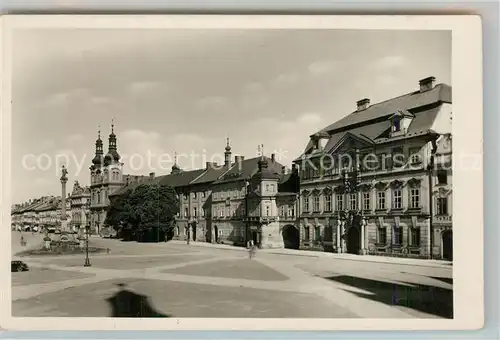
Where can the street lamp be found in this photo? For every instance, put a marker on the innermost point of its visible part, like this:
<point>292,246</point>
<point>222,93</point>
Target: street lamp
<point>87,233</point>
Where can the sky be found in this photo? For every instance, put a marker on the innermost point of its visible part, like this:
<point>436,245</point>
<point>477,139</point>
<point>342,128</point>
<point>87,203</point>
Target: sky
<point>187,91</point>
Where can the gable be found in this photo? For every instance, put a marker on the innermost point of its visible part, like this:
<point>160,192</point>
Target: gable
<point>350,142</point>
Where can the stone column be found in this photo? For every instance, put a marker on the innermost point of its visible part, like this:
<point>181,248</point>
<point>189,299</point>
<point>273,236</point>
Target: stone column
<point>64,180</point>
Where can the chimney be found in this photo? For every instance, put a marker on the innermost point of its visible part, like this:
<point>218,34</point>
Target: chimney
<point>151,175</point>
<point>427,84</point>
<point>363,104</point>
<point>273,157</point>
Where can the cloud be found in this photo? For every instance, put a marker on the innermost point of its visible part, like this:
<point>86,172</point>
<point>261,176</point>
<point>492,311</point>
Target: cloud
<point>100,100</point>
<point>390,61</point>
<point>75,139</point>
<point>67,97</point>
<point>286,80</point>
<point>42,182</point>
<point>253,87</point>
<point>322,66</point>
<point>212,103</point>
<point>143,86</point>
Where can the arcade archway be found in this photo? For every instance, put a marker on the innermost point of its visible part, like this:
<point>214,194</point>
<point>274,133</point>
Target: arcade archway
<point>447,245</point>
<point>291,237</point>
<point>353,240</point>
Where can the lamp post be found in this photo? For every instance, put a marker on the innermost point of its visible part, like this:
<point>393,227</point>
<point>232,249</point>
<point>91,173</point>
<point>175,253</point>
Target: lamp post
<point>430,169</point>
<point>87,260</point>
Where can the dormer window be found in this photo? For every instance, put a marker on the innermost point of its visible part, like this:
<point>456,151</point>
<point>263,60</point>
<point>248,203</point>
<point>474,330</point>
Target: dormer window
<point>400,122</point>
<point>396,124</point>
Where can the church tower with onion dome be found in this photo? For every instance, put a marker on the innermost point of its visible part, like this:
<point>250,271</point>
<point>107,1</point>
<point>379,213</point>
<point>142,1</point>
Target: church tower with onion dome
<point>106,176</point>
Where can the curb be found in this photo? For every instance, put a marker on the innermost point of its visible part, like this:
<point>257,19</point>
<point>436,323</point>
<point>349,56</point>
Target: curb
<point>365,259</point>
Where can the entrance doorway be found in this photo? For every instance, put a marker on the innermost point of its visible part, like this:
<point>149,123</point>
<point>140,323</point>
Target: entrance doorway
<point>216,234</point>
<point>255,237</point>
<point>353,240</point>
<point>291,237</point>
<point>448,245</point>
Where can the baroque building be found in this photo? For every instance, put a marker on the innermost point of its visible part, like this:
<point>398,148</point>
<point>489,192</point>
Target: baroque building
<point>232,203</point>
<point>42,213</point>
<point>369,183</point>
<point>80,204</point>
<point>105,177</point>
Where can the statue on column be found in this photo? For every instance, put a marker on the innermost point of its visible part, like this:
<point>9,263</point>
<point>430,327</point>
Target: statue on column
<point>64,180</point>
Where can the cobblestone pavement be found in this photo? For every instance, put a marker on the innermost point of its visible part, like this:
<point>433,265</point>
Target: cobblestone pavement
<point>178,280</point>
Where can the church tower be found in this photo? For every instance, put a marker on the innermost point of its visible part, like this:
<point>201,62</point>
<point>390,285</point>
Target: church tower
<point>227,155</point>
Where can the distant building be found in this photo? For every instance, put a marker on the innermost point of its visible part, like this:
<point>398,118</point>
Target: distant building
<point>390,144</point>
<point>42,213</point>
<point>80,206</point>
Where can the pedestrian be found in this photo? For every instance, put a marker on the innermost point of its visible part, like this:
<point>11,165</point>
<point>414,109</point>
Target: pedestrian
<point>108,250</point>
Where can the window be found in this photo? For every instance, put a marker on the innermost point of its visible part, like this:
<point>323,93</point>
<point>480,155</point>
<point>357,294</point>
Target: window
<point>282,210</point>
<point>221,213</point>
<point>366,201</point>
<point>381,235</point>
<point>381,200</point>
<point>306,233</point>
<point>414,236</point>
<point>414,198</point>
<point>442,206</point>
<point>267,187</point>
<point>387,161</point>
<point>291,211</point>
<point>316,203</point>
<point>272,187</point>
<point>186,212</point>
<point>98,198</point>
<point>353,202</point>
<point>328,202</point>
<point>306,203</point>
<point>396,199</point>
<point>396,124</point>
<point>267,210</point>
<point>415,157</point>
<point>317,234</point>
<point>340,202</point>
<point>195,212</point>
<point>398,157</point>
<point>442,176</point>
<point>398,235</point>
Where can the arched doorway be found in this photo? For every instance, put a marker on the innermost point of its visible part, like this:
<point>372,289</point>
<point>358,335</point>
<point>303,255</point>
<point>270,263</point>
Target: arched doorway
<point>353,240</point>
<point>216,234</point>
<point>447,245</point>
<point>291,237</point>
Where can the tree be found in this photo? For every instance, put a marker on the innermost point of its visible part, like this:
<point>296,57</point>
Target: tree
<point>146,212</point>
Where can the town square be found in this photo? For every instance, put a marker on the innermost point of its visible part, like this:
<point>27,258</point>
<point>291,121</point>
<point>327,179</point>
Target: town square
<point>196,280</point>
<point>277,177</point>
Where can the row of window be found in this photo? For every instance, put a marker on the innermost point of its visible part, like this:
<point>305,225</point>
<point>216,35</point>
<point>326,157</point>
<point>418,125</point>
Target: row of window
<point>115,176</point>
<point>397,236</point>
<point>352,201</point>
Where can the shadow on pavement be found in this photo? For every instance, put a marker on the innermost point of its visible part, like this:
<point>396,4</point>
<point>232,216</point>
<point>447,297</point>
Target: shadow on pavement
<point>127,304</point>
<point>431,300</point>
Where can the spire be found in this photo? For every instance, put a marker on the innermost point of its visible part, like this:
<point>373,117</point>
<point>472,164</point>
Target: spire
<point>98,149</point>
<point>262,162</point>
<point>175,168</point>
<point>227,154</point>
<point>113,155</point>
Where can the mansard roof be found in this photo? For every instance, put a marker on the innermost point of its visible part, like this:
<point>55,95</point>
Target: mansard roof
<point>373,124</point>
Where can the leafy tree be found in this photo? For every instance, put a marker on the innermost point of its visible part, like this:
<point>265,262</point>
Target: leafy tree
<point>146,212</point>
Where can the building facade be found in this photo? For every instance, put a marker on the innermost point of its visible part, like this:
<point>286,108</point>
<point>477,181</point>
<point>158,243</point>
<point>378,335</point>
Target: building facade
<point>105,178</point>
<point>42,213</point>
<point>368,181</point>
<point>80,206</point>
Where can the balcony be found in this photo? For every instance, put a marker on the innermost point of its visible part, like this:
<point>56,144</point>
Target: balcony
<point>442,219</point>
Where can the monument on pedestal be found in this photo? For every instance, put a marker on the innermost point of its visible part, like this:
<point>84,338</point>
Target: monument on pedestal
<point>64,180</point>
